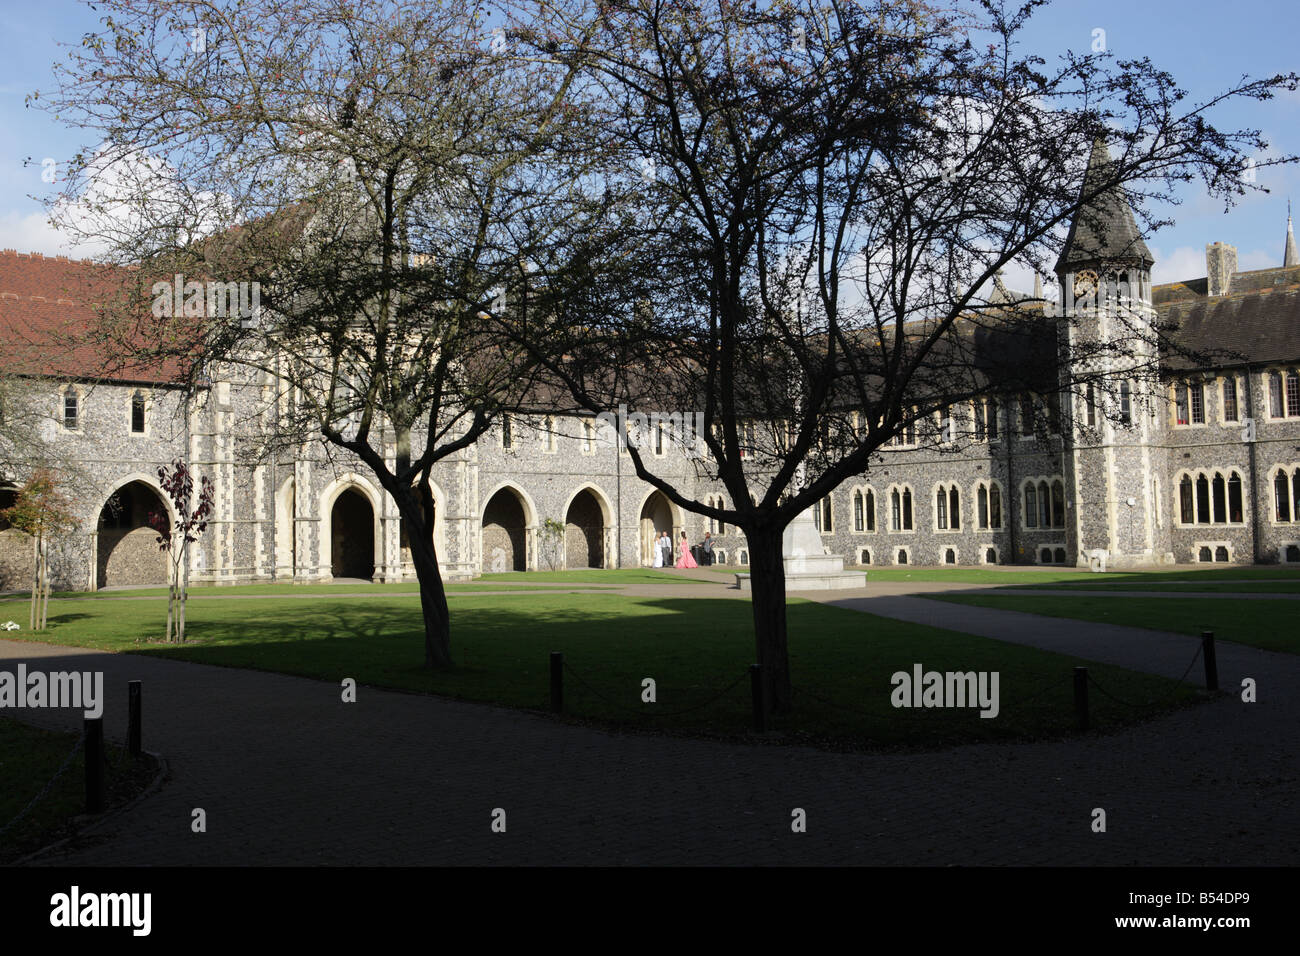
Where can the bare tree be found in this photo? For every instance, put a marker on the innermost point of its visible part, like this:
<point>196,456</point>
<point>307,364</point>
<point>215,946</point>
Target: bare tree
<point>381,175</point>
<point>814,204</point>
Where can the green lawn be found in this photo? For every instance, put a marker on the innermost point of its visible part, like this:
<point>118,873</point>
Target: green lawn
<point>692,648</point>
<point>1056,577</point>
<point>29,758</point>
<point>1270,625</point>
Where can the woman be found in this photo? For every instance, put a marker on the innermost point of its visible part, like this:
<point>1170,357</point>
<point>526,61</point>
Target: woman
<point>685,560</point>
<point>658,552</point>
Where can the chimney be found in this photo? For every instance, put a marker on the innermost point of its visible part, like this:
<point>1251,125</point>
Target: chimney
<point>1220,264</point>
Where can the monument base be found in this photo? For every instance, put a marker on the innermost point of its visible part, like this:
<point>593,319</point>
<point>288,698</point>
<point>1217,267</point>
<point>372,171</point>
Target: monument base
<point>807,565</point>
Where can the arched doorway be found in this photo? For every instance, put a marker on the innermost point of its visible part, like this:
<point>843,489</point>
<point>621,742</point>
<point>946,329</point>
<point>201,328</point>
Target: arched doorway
<point>352,536</point>
<point>505,535</point>
<point>16,559</point>
<point>584,532</point>
<point>127,550</point>
<point>656,517</point>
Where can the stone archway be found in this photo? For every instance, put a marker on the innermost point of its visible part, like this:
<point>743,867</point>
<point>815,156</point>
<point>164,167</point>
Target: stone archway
<point>127,551</point>
<point>656,517</point>
<point>16,558</point>
<point>505,533</point>
<point>352,536</point>
<point>584,532</point>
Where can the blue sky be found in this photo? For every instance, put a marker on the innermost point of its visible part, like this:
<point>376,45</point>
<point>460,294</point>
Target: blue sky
<point>1206,46</point>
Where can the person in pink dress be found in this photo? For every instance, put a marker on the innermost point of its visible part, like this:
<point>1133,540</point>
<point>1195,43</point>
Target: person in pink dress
<point>684,558</point>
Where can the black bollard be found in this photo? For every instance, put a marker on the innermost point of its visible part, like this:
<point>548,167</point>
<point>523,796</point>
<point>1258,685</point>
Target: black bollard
<point>1081,697</point>
<point>557,682</point>
<point>134,718</point>
<point>760,702</point>
<point>1211,663</point>
<point>95,796</point>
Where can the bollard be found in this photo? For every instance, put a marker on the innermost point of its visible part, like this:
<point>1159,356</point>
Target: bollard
<point>1211,663</point>
<point>756,688</point>
<point>95,765</point>
<point>557,682</point>
<point>133,722</point>
<point>1081,697</point>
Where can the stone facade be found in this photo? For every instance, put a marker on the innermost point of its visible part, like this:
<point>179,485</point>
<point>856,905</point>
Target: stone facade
<point>1204,471</point>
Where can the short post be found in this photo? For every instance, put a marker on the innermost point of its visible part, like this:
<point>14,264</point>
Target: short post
<point>133,722</point>
<point>94,764</point>
<point>760,703</point>
<point>557,682</point>
<point>1081,697</point>
<point>1211,663</point>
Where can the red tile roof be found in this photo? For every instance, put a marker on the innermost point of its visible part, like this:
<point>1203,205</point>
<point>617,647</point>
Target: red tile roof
<point>53,313</point>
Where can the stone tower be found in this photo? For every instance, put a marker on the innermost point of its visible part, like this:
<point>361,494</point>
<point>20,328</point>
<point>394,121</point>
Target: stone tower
<point>1114,462</point>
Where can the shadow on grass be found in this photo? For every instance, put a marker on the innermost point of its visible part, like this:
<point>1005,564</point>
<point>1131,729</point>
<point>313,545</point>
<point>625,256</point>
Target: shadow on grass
<point>696,651</point>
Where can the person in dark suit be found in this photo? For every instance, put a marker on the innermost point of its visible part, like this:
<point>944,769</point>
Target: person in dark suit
<point>706,549</point>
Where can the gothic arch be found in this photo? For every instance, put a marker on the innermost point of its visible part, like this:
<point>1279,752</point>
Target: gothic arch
<point>326,543</point>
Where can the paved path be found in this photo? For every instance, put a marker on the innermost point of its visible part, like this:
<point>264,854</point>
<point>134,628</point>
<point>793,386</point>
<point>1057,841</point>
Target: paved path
<point>288,774</point>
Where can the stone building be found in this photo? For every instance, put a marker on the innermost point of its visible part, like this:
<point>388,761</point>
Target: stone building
<point>1203,469</point>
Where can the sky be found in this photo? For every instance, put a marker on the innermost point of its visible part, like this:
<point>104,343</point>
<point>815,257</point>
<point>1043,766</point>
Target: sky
<point>1207,46</point>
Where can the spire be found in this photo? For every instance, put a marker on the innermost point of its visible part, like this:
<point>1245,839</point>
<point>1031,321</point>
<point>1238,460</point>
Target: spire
<point>1038,285</point>
<point>1290,257</point>
<point>1104,230</point>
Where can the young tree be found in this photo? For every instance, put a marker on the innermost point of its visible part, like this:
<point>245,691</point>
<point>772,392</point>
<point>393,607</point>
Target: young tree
<point>178,485</point>
<point>387,173</point>
<point>815,202</point>
<point>43,512</point>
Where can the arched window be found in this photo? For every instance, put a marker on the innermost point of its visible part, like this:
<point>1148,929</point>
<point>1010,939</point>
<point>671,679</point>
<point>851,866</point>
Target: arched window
<point>1234,499</point>
<point>995,506</point>
<point>1031,506</point>
<point>954,507</point>
<point>1202,500</point>
<point>137,412</point>
<point>907,509</point>
<point>941,509</point>
<point>1186,513</point>
<point>1282,496</point>
<point>1125,403</point>
<point>1044,506</point>
<point>1219,490</point>
<point>71,408</point>
<point>1058,505</point>
<point>1275,408</point>
<point>950,556</point>
<point>870,506</point>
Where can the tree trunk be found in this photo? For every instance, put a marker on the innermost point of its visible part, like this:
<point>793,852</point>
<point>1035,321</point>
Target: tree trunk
<point>433,597</point>
<point>767,584</point>
<point>185,587</point>
<point>171,595</point>
<point>45,584</point>
<point>36,582</point>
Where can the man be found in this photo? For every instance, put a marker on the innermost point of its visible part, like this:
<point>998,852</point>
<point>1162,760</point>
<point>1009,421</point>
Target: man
<point>666,546</point>
<point>706,549</point>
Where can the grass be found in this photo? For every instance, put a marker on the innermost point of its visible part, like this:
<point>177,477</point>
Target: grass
<point>1056,578</point>
<point>692,648</point>
<point>1266,624</point>
<point>29,758</point>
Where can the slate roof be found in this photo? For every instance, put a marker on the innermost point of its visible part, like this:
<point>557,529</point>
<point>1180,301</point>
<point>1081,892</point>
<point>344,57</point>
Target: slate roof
<point>1105,229</point>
